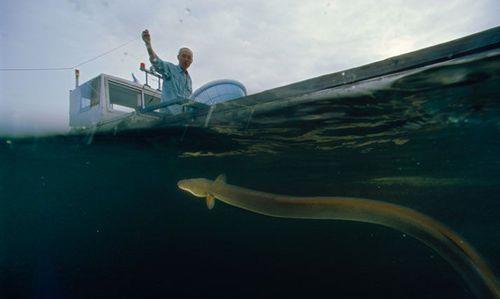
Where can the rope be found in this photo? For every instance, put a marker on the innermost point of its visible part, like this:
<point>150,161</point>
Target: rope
<point>67,68</point>
<point>36,69</point>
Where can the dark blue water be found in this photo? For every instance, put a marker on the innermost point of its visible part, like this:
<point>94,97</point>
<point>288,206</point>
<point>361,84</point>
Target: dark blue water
<point>103,217</point>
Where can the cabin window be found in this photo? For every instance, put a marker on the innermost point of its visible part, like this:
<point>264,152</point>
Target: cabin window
<point>89,94</point>
<point>123,98</point>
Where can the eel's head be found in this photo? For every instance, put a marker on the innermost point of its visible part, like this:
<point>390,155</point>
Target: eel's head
<point>198,187</point>
<point>201,188</point>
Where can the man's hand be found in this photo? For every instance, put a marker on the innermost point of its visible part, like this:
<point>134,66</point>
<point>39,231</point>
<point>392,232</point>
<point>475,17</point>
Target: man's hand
<point>146,37</point>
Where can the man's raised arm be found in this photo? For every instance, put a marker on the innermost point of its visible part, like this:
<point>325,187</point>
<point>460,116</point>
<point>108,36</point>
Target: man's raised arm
<point>146,37</point>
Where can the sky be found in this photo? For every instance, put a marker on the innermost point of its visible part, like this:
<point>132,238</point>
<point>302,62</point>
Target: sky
<point>262,43</point>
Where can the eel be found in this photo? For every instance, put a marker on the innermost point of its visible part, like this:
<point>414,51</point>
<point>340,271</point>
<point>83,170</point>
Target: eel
<point>449,245</point>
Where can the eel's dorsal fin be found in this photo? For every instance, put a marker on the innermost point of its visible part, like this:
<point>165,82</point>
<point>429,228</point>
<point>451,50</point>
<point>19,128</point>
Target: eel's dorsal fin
<point>210,201</point>
<point>221,179</point>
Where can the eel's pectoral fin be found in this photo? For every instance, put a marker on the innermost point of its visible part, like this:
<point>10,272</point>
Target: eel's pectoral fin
<point>210,201</point>
<point>221,179</point>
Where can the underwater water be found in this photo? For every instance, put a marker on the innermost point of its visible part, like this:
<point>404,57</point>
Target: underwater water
<point>102,217</point>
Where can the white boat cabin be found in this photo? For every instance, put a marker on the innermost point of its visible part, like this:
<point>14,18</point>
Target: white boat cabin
<point>109,99</point>
<point>105,102</point>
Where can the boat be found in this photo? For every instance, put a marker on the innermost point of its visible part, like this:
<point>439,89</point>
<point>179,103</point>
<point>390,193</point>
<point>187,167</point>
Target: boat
<point>108,103</point>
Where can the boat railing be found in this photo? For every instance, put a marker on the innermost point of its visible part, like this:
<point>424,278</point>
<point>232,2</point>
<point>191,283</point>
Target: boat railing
<point>151,72</point>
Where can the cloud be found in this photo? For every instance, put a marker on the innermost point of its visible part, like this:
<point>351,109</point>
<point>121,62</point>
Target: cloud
<point>263,44</point>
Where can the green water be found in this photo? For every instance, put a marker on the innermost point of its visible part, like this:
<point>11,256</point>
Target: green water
<point>102,217</point>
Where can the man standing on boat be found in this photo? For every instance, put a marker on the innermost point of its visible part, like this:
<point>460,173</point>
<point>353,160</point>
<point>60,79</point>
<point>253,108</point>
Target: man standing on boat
<point>176,79</point>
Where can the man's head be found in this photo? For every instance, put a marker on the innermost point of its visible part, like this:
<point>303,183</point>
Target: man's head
<point>185,57</point>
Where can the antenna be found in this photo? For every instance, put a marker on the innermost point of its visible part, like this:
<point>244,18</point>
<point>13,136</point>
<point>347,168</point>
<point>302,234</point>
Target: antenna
<point>77,77</point>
